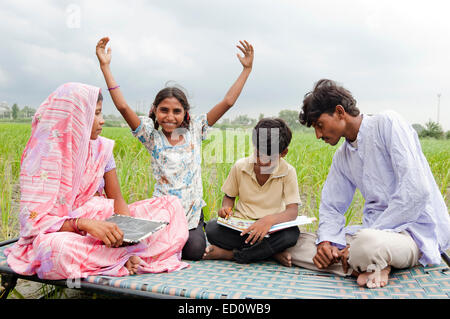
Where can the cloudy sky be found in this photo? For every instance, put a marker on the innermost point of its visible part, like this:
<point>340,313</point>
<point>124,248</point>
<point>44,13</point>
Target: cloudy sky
<point>389,54</point>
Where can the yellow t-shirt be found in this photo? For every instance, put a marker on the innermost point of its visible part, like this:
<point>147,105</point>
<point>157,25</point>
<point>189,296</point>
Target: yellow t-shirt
<point>256,201</point>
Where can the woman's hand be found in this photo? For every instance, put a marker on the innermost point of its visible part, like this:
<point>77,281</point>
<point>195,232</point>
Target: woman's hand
<point>109,233</point>
<point>258,230</point>
<point>104,57</point>
<point>247,59</point>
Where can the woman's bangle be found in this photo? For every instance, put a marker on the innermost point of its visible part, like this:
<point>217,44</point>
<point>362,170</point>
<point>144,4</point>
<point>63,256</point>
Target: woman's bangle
<point>110,89</point>
<point>74,224</point>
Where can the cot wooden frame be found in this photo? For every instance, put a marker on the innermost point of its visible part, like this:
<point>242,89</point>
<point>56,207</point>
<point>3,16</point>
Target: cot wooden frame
<point>9,281</point>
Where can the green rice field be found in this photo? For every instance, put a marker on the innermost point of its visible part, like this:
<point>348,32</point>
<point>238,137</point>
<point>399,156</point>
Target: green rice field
<point>310,157</point>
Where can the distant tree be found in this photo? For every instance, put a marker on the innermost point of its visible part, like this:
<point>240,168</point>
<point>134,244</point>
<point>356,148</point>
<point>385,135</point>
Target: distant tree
<point>15,111</point>
<point>260,117</point>
<point>290,117</point>
<point>112,117</point>
<point>418,127</point>
<point>432,129</point>
<point>243,120</point>
<point>27,112</point>
<point>447,135</point>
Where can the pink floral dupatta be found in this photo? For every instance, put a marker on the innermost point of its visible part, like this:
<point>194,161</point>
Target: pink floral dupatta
<point>53,162</point>
<point>61,169</point>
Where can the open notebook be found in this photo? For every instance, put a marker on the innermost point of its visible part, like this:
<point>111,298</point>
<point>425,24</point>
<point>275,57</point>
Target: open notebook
<point>240,224</point>
<point>136,229</point>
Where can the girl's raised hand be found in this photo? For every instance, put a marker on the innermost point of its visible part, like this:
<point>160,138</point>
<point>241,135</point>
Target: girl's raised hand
<point>247,49</point>
<point>104,57</point>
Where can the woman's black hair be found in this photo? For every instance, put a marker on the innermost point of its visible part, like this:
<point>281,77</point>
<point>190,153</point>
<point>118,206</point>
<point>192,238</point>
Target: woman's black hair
<point>324,98</point>
<point>100,97</point>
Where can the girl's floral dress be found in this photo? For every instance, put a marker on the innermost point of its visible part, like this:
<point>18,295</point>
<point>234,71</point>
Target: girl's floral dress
<point>177,169</point>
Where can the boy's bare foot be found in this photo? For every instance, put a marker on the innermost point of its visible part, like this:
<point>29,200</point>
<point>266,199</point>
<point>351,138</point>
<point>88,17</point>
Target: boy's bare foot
<point>132,264</point>
<point>284,258</point>
<point>375,279</point>
<point>215,252</point>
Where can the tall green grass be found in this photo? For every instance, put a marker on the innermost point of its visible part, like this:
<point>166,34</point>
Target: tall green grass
<point>13,138</point>
<point>310,157</point>
<point>437,153</point>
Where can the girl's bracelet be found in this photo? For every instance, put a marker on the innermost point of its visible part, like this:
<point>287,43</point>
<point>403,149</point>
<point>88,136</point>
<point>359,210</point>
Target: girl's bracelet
<point>110,89</point>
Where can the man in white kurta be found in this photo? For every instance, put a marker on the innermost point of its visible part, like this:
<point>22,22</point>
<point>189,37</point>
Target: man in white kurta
<point>405,219</point>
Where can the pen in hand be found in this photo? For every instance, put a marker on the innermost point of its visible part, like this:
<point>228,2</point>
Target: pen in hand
<point>225,212</point>
<point>229,213</point>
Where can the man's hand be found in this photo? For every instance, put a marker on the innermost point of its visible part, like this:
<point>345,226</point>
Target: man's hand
<point>344,258</point>
<point>326,255</point>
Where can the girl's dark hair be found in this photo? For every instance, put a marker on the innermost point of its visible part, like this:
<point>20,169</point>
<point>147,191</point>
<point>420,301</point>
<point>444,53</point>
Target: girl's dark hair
<point>276,130</point>
<point>324,98</point>
<point>167,93</point>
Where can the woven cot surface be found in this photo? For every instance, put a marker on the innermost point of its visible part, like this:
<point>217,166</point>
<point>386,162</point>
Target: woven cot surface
<point>222,279</point>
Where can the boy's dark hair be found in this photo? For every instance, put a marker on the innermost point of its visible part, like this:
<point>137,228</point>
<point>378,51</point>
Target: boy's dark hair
<point>171,92</point>
<point>324,98</point>
<point>271,136</point>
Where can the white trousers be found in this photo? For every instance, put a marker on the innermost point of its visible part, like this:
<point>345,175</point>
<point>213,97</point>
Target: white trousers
<point>370,249</point>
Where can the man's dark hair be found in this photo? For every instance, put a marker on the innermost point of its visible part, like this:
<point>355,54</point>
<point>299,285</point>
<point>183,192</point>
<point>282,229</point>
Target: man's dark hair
<point>324,98</point>
<point>271,136</point>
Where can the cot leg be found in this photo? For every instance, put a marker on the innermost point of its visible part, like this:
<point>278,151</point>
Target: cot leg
<point>446,259</point>
<point>8,284</point>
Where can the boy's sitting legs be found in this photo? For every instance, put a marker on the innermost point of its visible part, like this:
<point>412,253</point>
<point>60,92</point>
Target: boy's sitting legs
<point>228,244</point>
<point>223,241</point>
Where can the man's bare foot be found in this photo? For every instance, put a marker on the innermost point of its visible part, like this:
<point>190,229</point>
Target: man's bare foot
<point>132,264</point>
<point>284,258</point>
<point>215,252</point>
<point>375,279</point>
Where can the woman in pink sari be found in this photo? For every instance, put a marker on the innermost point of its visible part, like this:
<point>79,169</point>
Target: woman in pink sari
<point>63,232</point>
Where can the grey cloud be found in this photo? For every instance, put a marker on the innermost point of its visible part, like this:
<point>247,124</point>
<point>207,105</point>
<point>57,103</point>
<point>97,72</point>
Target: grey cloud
<point>390,55</point>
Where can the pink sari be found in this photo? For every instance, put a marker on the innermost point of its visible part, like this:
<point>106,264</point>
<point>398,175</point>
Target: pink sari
<point>61,170</point>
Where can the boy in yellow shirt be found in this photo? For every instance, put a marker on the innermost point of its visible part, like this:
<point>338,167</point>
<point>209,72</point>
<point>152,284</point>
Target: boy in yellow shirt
<point>268,193</point>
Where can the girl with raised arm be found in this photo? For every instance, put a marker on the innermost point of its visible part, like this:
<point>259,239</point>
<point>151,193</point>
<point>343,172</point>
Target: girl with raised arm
<point>176,148</point>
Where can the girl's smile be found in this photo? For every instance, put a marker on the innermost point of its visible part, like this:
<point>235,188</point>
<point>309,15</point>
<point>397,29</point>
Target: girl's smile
<point>169,114</point>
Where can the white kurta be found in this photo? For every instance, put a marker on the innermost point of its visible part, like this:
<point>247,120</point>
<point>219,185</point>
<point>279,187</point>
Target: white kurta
<point>393,175</point>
